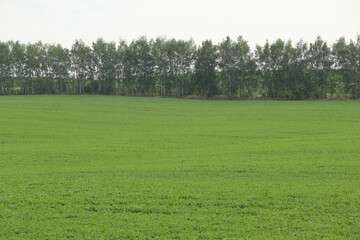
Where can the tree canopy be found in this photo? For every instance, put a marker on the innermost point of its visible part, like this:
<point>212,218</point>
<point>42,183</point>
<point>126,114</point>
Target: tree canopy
<point>170,67</point>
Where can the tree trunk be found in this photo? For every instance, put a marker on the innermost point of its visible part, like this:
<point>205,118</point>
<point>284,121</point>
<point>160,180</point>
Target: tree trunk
<point>92,85</point>
<point>161,87</point>
<point>240,87</point>
<point>61,83</point>
<point>2,87</point>
<point>119,86</point>
<point>356,88</point>
<point>99,86</point>
<point>32,85</point>
<point>272,88</point>
<point>229,86</point>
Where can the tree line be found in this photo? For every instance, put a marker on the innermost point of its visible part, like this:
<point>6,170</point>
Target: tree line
<point>170,67</point>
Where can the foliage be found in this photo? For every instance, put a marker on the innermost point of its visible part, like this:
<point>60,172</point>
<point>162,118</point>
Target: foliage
<point>278,70</point>
<point>205,69</point>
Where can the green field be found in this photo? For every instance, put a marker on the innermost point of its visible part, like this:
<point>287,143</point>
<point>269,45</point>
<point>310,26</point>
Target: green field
<point>108,167</point>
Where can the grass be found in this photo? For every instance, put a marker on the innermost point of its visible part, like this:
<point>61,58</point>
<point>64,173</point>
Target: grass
<point>107,167</point>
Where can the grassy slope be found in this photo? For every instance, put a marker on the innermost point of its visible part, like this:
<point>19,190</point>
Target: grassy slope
<point>124,167</point>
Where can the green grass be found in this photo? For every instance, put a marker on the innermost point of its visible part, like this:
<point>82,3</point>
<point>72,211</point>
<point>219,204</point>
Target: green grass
<point>107,167</point>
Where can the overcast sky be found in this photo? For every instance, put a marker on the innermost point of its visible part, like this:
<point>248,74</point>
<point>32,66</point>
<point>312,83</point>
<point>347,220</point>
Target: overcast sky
<point>63,21</point>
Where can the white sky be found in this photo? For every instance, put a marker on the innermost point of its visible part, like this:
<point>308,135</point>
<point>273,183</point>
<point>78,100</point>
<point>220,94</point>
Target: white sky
<point>63,21</point>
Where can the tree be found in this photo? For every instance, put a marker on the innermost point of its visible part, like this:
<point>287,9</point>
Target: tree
<point>181,63</point>
<point>277,52</point>
<point>161,69</point>
<point>186,55</point>
<point>301,86</point>
<point>262,56</point>
<point>347,63</point>
<point>18,59</point>
<point>81,66</point>
<point>244,67</point>
<point>139,67</point>
<point>205,69</point>
<point>4,66</point>
<point>227,67</point>
<point>319,65</point>
<point>179,67</point>
<point>121,51</point>
<point>105,60</point>
<point>144,65</point>
<point>58,66</point>
<point>35,57</point>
